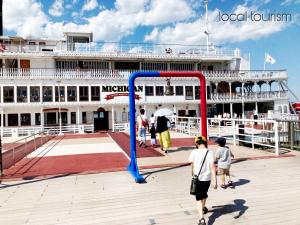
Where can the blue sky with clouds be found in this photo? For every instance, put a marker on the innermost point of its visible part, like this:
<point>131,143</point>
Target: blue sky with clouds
<point>166,21</point>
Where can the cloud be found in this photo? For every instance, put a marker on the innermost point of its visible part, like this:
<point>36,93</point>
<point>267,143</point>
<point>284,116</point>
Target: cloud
<point>220,32</point>
<point>167,11</point>
<point>57,8</point>
<point>89,5</point>
<point>289,2</point>
<point>25,21</point>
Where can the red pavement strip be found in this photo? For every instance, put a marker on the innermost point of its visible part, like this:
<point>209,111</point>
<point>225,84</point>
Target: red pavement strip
<point>123,140</point>
<point>67,164</point>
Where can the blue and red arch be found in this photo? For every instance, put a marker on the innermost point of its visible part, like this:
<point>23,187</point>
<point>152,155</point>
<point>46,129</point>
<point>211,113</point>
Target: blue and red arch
<point>133,167</point>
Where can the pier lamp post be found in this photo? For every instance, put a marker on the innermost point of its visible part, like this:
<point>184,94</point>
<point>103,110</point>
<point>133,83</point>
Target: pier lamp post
<point>59,109</point>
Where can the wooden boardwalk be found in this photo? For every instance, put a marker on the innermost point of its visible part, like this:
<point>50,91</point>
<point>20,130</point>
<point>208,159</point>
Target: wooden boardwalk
<point>267,192</point>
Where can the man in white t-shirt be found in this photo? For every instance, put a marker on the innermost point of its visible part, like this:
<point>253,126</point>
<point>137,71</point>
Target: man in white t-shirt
<point>202,159</point>
<point>142,123</point>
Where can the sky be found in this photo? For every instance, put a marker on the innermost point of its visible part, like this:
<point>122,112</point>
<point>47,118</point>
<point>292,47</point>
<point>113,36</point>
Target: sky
<point>170,21</point>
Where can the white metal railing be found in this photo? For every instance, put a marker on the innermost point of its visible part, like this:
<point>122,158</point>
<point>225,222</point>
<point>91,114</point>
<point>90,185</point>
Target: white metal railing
<point>36,73</point>
<point>19,149</point>
<point>245,75</point>
<point>121,127</point>
<point>248,96</point>
<point>255,133</point>
<point>31,130</point>
<point>154,50</point>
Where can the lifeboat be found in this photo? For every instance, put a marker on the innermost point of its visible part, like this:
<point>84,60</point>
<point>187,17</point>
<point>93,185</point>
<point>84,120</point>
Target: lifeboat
<point>296,106</point>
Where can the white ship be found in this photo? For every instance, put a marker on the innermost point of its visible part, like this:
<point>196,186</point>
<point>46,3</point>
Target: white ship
<point>86,82</point>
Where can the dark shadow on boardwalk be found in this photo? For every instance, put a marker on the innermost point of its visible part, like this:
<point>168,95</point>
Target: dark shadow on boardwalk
<point>180,149</point>
<point>240,182</point>
<point>238,207</point>
<point>147,174</point>
<point>33,180</point>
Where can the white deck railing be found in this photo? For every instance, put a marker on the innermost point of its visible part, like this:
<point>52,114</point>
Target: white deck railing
<point>12,73</point>
<point>127,49</point>
<point>30,130</point>
<point>248,96</point>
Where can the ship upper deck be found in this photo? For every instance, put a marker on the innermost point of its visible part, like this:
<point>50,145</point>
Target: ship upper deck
<point>106,50</point>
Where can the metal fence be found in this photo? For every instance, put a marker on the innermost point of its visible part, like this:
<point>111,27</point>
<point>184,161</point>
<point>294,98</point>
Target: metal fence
<point>17,150</point>
<point>31,130</point>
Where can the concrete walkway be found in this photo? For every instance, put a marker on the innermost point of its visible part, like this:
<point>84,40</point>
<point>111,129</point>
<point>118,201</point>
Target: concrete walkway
<point>266,192</point>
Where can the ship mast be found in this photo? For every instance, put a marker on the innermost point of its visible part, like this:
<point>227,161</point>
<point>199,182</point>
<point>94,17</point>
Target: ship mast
<point>206,32</point>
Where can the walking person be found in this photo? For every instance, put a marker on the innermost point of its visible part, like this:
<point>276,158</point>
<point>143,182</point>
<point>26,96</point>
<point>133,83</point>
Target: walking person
<point>152,120</point>
<point>223,156</point>
<point>202,161</point>
<point>153,135</point>
<point>162,129</point>
<point>142,123</point>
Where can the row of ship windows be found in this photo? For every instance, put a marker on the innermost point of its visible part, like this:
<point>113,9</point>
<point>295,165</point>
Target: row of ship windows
<point>190,93</point>
<point>74,64</point>
<point>50,118</point>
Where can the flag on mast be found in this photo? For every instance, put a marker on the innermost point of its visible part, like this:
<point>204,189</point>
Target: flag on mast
<point>269,59</point>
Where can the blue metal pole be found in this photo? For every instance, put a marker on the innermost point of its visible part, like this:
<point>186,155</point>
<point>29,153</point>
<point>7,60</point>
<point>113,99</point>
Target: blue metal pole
<point>133,167</point>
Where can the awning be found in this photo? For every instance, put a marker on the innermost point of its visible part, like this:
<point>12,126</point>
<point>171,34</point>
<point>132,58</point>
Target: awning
<point>55,110</point>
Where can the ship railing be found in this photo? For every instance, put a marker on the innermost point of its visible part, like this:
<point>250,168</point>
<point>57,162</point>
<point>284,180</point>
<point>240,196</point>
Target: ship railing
<point>127,49</point>
<point>42,73</point>
<point>245,75</point>
<point>31,130</point>
<point>248,96</point>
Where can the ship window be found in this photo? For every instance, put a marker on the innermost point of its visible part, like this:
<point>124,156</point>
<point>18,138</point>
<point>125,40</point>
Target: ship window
<point>72,94</point>
<point>34,94</point>
<point>189,93</point>
<point>197,92</point>
<point>47,94</point>
<point>83,93</point>
<point>149,91</point>
<point>95,93</point>
<point>25,119</point>
<point>61,96</point>
<point>181,66</point>
<point>192,113</point>
<point>159,90</point>
<point>154,66</point>
<point>22,94</point>
<point>83,117</point>
<point>181,113</point>
<point>179,90</point>
<point>8,94</point>
<point>12,119</point>
<point>210,68</point>
<point>73,117</point>
<point>127,65</point>
<point>37,119</point>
